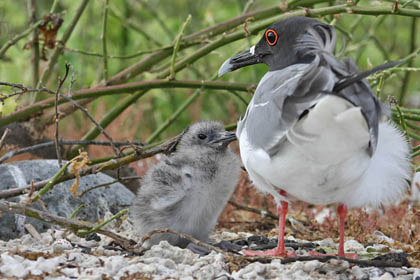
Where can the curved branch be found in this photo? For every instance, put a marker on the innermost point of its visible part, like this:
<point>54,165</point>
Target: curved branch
<point>36,108</point>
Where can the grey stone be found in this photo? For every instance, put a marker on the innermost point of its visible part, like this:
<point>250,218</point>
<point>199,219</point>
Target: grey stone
<point>59,201</point>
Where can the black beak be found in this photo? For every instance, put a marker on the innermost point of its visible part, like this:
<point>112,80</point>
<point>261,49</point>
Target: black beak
<point>245,58</point>
<point>224,138</point>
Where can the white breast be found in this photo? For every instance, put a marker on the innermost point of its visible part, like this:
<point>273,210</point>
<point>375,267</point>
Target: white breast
<point>324,158</point>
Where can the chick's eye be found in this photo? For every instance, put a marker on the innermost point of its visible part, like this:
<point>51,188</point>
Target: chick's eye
<point>202,136</point>
<point>271,37</point>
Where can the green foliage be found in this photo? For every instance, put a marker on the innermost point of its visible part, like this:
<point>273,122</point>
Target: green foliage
<point>134,26</point>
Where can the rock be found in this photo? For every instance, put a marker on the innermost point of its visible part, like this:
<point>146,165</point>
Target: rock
<point>386,276</point>
<point>59,201</point>
<point>358,273</point>
<point>310,266</point>
<point>353,246</point>
<point>328,242</point>
<point>61,245</point>
<point>30,258</point>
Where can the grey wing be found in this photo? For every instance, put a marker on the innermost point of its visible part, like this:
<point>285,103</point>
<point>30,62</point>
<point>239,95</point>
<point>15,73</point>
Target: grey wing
<point>280,99</point>
<point>163,186</point>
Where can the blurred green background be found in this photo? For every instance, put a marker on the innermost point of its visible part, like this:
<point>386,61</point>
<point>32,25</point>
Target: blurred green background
<point>135,26</point>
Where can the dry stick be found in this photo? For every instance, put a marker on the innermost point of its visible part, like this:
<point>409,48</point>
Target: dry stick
<point>254,210</point>
<point>107,184</point>
<point>176,46</point>
<point>166,148</point>
<point>73,225</point>
<point>98,125</point>
<point>3,137</point>
<point>103,37</point>
<point>59,48</point>
<point>57,118</point>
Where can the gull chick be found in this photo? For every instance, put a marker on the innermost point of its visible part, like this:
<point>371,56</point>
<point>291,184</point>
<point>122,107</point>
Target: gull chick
<point>187,190</point>
<point>314,130</point>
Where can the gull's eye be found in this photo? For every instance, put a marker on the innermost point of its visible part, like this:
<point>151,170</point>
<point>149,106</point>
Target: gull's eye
<point>202,136</point>
<point>271,37</point>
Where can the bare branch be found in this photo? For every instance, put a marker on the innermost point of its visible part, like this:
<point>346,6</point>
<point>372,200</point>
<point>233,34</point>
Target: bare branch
<point>254,210</point>
<point>3,137</point>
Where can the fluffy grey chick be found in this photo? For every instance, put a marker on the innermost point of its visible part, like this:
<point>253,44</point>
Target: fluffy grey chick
<point>187,190</point>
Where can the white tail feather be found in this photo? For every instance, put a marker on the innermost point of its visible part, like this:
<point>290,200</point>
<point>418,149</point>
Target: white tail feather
<point>385,181</point>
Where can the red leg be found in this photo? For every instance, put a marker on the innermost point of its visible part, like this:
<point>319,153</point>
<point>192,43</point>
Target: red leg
<point>280,250</point>
<point>342,213</point>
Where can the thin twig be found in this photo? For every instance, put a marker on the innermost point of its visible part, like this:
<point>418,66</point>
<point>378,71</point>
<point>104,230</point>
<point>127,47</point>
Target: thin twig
<point>107,184</point>
<point>75,212</point>
<point>51,182</point>
<point>57,117</point>
<point>33,148</point>
<point>3,137</point>
<point>177,113</point>
<point>104,223</point>
<point>92,119</point>
<point>103,37</point>
<point>176,46</point>
<point>134,55</point>
<point>254,210</point>
<point>74,225</point>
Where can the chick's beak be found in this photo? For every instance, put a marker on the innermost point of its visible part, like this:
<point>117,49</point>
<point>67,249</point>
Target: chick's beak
<point>243,59</point>
<point>224,138</point>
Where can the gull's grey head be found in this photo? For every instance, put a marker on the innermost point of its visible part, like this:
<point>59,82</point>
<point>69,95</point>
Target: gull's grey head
<point>289,41</point>
<point>206,134</point>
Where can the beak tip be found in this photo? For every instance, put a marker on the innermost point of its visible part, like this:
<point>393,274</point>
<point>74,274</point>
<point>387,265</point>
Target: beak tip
<point>226,67</point>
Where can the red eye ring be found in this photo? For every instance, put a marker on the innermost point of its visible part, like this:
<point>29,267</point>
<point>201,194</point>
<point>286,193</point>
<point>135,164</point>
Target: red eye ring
<point>270,41</point>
